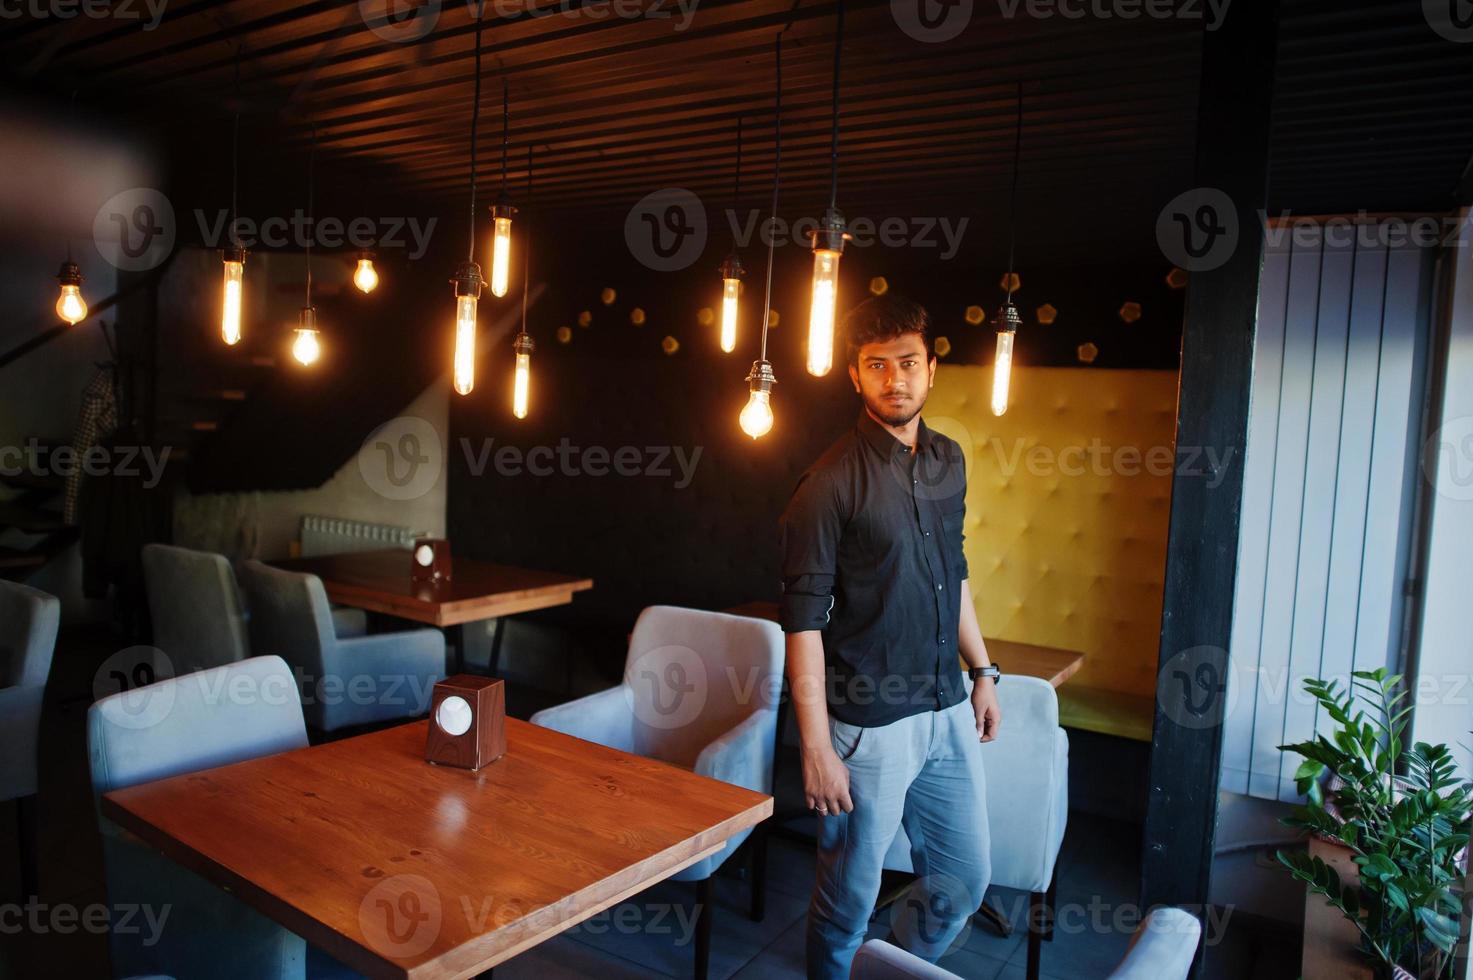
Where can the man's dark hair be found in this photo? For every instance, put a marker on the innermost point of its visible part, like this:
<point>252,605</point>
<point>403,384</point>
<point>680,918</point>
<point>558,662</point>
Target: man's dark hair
<point>882,318</point>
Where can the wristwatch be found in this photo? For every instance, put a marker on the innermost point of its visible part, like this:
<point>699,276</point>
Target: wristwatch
<point>991,670</point>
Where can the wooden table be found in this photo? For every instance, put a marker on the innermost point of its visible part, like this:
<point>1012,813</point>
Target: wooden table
<point>401,869</point>
<point>379,582</point>
<point>1053,665</point>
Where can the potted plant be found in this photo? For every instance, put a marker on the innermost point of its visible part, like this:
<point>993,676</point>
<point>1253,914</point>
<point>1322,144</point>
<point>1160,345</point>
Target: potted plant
<point>1401,812</point>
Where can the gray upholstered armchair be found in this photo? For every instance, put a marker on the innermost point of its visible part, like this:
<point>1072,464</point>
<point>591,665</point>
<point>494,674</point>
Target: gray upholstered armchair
<point>199,615</point>
<point>345,681</point>
<point>1162,948</point>
<point>28,624</point>
<point>700,691</point>
<point>177,726</point>
<point>1030,758</point>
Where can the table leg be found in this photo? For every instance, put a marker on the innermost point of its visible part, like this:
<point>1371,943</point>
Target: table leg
<point>455,637</point>
<point>495,662</point>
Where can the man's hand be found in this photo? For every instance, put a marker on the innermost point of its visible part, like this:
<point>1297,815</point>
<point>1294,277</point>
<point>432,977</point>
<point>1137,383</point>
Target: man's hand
<point>825,781</point>
<point>984,704</point>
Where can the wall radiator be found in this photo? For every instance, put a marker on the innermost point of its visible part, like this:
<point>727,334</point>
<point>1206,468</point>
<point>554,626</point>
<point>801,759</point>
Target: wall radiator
<point>336,536</point>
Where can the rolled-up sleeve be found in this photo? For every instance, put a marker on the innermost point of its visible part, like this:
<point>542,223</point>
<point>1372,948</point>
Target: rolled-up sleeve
<point>810,530</point>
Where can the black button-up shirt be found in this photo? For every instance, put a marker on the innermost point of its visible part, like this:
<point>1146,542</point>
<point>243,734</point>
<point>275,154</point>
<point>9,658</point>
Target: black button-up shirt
<point>872,556</point>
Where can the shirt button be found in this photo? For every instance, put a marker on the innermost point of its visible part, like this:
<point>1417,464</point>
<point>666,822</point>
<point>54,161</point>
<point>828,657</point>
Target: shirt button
<point>943,641</point>
<point>939,587</point>
<point>928,534</point>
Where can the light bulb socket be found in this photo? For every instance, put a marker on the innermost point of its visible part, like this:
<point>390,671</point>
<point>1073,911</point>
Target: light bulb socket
<point>70,274</point>
<point>731,267</point>
<point>467,280</point>
<point>761,378</point>
<point>233,253</point>
<point>1007,320</point>
<point>366,255</point>
<point>522,344</point>
<point>830,234</point>
<point>503,208</point>
<point>307,319</point>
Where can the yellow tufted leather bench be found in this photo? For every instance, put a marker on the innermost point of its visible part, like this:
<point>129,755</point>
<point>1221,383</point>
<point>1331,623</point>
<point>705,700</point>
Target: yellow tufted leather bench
<point>1068,496</point>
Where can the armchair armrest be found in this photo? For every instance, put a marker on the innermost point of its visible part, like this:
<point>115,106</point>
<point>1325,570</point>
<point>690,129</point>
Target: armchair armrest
<point>377,677</point>
<point>606,717</point>
<point>743,755</point>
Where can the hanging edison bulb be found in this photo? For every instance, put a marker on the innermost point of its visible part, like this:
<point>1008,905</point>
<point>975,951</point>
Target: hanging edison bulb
<point>70,305</point>
<point>234,261</point>
<point>756,417</point>
<point>501,215</point>
<point>467,283</point>
<point>1006,322</point>
<point>828,245</point>
<point>731,287</point>
<point>522,382</point>
<point>365,277</point>
<point>307,347</point>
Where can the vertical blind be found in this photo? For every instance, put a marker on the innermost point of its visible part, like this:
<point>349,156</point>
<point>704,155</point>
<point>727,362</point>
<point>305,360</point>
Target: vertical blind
<point>1329,484</point>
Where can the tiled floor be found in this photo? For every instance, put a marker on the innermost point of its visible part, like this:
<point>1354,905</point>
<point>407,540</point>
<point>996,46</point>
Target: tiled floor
<point>648,936</point>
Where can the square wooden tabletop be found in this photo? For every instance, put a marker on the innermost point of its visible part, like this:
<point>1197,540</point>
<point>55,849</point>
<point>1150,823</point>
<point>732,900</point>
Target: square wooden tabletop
<point>380,581</point>
<point>401,869</point>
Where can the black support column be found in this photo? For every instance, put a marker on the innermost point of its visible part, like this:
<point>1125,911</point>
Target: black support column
<point>1212,413</point>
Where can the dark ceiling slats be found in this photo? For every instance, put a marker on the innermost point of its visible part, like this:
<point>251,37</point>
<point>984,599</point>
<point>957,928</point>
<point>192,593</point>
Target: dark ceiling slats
<point>1372,108</point>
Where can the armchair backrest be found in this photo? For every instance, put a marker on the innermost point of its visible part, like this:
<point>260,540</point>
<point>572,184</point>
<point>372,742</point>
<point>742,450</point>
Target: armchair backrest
<point>1164,945</point>
<point>693,675</point>
<point>193,598</point>
<point>290,616</point>
<point>198,721</point>
<point>1026,819</point>
<point>185,724</point>
<point>28,622</point>
<point>1030,758</point>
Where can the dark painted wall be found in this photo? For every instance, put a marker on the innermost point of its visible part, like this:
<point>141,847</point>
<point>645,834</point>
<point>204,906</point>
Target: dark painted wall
<point>712,543</point>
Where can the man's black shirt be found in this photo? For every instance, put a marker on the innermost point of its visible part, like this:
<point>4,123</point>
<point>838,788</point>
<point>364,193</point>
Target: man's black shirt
<point>872,556</point>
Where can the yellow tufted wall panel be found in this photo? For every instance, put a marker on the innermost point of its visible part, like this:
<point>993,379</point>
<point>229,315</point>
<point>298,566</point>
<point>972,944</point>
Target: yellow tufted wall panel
<point>1068,498</point>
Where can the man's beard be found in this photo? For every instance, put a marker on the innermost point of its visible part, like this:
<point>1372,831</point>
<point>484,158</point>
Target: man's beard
<point>896,415</point>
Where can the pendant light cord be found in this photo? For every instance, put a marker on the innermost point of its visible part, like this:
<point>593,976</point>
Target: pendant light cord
<point>475,122</point>
<point>1013,196</point>
<point>235,157</point>
<point>736,186</point>
<point>311,160</point>
<point>777,175</point>
<point>834,134</point>
<point>505,130</point>
<point>527,244</point>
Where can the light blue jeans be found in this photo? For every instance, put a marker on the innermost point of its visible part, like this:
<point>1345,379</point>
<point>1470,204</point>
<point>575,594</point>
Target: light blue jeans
<point>923,772</point>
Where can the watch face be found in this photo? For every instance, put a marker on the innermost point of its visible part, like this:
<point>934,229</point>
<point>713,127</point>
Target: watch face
<point>454,715</point>
<point>425,555</point>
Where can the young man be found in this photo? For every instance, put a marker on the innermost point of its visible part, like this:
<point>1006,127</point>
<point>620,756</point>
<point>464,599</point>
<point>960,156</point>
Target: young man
<point>877,610</point>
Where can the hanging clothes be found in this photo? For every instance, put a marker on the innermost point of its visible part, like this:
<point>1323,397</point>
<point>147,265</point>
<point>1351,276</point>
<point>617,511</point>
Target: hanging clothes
<point>98,421</point>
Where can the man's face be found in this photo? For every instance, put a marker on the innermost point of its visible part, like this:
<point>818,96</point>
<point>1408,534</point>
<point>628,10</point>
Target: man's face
<point>893,377</point>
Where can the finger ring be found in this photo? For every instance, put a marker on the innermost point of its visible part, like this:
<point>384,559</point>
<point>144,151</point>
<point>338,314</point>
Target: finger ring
<point>821,809</point>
